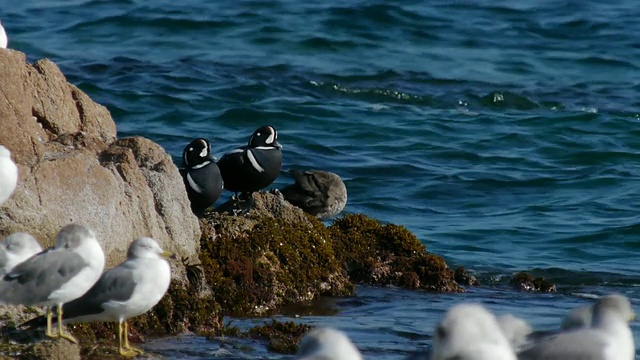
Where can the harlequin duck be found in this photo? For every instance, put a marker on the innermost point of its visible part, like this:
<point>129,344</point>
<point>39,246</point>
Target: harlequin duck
<point>201,175</point>
<point>255,166</point>
<point>319,193</point>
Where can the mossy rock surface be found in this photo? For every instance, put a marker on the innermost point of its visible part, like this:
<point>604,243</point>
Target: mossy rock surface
<point>276,254</point>
<point>269,258</point>
<point>388,254</point>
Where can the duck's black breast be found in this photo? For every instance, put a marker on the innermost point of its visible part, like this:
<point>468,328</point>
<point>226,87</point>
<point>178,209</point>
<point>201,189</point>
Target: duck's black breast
<point>250,169</point>
<point>204,185</point>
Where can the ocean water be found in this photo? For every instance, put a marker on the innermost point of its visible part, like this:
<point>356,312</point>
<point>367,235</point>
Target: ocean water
<point>507,137</point>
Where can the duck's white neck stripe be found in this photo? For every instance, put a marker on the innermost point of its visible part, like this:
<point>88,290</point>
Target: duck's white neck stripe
<point>254,162</point>
<point>195,187</point>
<point>200,166</point>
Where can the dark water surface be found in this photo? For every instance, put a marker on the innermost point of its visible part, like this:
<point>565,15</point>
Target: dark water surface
<point>505,136</point>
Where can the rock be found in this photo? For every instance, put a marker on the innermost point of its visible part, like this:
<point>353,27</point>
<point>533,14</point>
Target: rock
<point>378,254</point>
<point>283,337</point>
<point>73,169</point>
<point>526,282</point>
<point>271,256</point>
<point>463,277</point>
<point>52,350</point>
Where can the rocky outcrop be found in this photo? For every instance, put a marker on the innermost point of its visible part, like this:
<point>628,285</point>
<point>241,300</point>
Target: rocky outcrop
<point>72,168</point>
<point>271,256</point>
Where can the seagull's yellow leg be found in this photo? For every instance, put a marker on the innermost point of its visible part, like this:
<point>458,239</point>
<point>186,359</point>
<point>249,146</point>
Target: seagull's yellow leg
<point>123,349</point>
<point>49,333</point>
<point>61,333</point>
<point>126,340</point>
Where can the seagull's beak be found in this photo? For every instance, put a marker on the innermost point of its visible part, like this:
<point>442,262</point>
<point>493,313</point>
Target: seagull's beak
<point>168,255</point>
<point>633,317</point>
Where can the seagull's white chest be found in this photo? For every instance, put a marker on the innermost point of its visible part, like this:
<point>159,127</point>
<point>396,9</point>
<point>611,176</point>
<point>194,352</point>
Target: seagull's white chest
<point>85,279</point>
<point>8,176</point>
<point>3,38</point>
<point>151,285</point>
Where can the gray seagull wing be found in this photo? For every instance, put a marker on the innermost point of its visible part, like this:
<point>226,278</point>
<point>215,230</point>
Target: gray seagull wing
<point>32,281</point>
<point>116,284</point>
<point>584,345</point>
<point>3,260</point>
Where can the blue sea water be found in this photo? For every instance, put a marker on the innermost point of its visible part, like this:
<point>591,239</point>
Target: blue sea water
<point>506,136</point>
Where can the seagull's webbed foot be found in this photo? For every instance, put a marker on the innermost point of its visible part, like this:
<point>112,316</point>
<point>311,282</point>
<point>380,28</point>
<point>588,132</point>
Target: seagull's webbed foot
<point>61,333</point>
<point>68,337</point>
<point>126,341</point>
<point>128,353</point>
<point>49,331</point>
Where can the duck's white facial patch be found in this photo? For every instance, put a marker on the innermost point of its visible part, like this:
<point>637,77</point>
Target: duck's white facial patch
<point>192,184</point>
<point>271,138</point>
<point>254,162</point>
<point>204,152</point>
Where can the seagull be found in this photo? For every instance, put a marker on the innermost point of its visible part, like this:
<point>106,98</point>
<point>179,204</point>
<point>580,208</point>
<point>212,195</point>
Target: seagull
<point>3,38</point>
<point>128,290</point>
<point>470,332</point>
<point>581,317</point>
<point>15,249</point>
<point>8,169</point>
<point>56,276</point>
<point>608,337</point>
<point>327,344</point>
<point>516,330</point>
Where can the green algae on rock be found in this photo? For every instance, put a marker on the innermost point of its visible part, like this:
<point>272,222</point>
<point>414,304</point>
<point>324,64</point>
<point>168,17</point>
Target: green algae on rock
<point>389,254</point>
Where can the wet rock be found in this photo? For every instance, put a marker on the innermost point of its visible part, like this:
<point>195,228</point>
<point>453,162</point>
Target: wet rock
<point>524,281</point>
<point>463,277</point>
<point>378,254</point>
<point>73,169</point>
<point>55,349</point>
<point>274,255</point>
<point>283,337</point>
